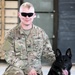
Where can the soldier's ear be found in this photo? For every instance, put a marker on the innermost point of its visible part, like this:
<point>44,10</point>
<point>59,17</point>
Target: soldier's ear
<point>34,15</point>
<point>19,14</point>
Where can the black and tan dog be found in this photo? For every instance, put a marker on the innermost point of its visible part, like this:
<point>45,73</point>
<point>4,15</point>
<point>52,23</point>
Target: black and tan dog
<point>62,63</point>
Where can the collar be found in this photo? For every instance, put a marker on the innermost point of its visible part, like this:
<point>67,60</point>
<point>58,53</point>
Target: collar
<point>22,31</point>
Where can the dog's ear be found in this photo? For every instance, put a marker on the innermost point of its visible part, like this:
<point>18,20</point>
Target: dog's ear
<point>57,53</point>
<point>68,53</point>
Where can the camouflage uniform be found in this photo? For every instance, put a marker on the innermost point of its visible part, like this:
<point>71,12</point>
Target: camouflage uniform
<point>23,50</point>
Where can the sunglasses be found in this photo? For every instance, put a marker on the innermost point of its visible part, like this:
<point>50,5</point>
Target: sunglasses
<point>27,14</point>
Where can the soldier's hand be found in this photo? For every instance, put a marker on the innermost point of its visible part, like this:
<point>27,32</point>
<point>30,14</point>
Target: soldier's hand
<point>32,72</point>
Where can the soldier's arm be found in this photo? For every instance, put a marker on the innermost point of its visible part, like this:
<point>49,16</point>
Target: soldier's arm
<point>48,53</point>
<point>9,51</point>
<point>8,48</point>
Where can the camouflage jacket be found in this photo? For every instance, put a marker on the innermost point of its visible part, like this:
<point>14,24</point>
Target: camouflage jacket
<point>25,48</point>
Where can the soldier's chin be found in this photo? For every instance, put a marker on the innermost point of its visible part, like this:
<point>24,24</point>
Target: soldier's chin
<point>27,23</point>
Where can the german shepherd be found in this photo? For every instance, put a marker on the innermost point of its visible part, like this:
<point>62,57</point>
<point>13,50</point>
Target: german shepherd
<point>62,63</point>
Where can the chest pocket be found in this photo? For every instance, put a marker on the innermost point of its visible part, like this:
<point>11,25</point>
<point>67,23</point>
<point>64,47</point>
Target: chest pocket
<point>20,48</point>
<point>19,44</point>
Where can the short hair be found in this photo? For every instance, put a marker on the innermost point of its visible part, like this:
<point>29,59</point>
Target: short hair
<point>27,5</point>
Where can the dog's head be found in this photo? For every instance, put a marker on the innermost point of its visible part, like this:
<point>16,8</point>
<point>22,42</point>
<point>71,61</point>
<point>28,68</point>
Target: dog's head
<point>68,53</point>
<point>63,61</point>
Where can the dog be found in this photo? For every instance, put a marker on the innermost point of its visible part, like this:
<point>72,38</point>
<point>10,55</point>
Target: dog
<point>62,63</point>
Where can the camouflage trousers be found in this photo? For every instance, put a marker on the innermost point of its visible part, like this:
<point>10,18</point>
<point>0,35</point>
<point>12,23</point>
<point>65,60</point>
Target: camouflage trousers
<point>11,70</point>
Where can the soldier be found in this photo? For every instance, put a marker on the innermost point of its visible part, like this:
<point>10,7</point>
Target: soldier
<point>25,44</point>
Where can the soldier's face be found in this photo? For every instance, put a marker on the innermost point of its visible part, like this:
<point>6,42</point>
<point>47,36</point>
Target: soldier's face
<point>27,15</point>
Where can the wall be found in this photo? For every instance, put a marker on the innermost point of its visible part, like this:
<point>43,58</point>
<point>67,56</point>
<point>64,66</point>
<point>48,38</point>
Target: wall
<point>66,30</point>
<point>8,19</point>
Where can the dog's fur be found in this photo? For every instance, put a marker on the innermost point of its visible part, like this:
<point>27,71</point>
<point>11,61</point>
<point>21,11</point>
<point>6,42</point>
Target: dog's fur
<point>62,62</point>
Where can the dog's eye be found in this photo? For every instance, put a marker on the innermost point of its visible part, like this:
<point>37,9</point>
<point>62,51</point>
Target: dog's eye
<point>60,61</point>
